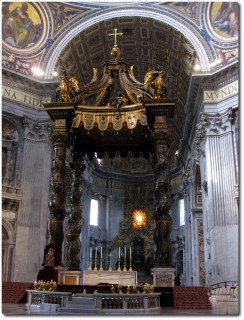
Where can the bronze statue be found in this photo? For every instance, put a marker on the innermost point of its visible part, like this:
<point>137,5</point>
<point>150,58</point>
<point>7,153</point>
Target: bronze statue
<point>148,79</point>
<point>73,82</point>
<point>154,84</point>
<point>159,82</point>
<point>68,88</point>
<point>62,94</point>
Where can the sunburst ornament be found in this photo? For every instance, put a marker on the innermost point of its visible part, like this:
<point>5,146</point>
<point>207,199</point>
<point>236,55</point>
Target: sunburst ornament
<point>139,218</point>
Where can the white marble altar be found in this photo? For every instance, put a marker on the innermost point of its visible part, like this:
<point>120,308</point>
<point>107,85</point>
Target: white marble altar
<point>94,277</point>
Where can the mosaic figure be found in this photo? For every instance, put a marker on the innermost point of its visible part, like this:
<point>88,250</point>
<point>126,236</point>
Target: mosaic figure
<point>18,28</point>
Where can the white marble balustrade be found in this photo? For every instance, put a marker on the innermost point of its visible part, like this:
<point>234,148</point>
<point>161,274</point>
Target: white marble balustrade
<point>37,299</point>
<point>125,303</point>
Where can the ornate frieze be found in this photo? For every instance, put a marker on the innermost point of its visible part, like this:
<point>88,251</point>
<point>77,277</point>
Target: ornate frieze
<point>9,132</point>
<point>10,204</point>
<point>36,131</point>
<point>108,118</point>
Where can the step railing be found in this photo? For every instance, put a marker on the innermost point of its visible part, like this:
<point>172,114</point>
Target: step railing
<point>36,298</point>
<point>116,302</point>
<point>225,291</point>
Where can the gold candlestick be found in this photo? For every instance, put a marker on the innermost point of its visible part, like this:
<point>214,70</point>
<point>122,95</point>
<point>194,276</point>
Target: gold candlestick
<point>101,264</point>
<point>90,264</point>
<point>119,269</point>
<point>95,268</point>
<point>124,267</point>
<point>130,268</point>
<point>110,262</point>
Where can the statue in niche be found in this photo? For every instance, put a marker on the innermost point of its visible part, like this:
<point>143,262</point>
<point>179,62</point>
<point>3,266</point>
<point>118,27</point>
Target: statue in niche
<point>9,151</point>
<point>9,132</point>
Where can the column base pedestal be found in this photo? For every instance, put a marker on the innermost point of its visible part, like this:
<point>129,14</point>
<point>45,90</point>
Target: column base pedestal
<point>163,276</point>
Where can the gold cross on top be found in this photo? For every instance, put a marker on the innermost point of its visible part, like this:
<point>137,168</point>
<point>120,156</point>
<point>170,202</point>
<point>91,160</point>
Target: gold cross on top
<point>115,34</point>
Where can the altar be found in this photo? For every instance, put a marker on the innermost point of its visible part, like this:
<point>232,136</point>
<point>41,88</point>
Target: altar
<point>94,277</point>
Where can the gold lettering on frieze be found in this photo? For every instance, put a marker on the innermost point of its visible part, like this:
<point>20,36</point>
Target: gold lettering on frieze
<point>28,99</point>
<point>222,93</point>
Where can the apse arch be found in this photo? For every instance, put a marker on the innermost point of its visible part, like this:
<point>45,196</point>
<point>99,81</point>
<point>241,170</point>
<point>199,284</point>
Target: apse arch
<point>139,12</point>
<point>9,231</point>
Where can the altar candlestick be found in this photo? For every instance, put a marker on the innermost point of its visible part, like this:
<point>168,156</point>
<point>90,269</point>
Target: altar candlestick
<point>90,262</point>
<point>124,266</point>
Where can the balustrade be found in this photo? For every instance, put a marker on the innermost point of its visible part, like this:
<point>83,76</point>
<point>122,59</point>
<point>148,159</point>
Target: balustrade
<point>36,298</point>
<point>126,302</point>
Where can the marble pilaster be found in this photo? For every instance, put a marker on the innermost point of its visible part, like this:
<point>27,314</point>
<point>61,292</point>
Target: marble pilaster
<point>33,212</point>
<point>214,149</point>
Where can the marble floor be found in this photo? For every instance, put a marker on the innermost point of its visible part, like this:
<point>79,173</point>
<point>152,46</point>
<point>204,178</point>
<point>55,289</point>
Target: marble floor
<point>219,308</point>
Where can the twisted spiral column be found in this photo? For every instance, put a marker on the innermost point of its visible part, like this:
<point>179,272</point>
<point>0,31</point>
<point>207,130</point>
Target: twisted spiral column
<point>75,218</point>
<point>56,202</point>
<point>162,139</point>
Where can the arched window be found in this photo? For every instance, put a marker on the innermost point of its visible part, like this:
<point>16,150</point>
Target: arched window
<point>182,211</point>
<point>94,212</point>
